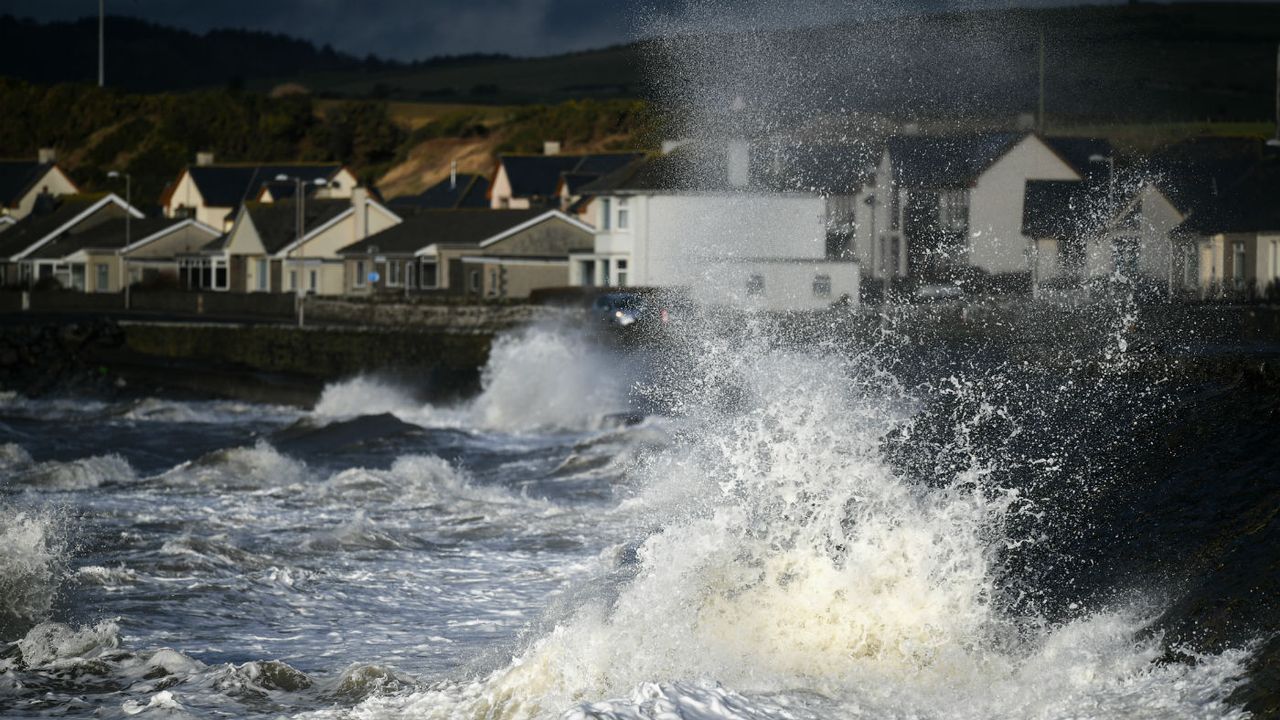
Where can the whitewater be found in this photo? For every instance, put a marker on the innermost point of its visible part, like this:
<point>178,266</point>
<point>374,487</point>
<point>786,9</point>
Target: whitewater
<point>760,543</point>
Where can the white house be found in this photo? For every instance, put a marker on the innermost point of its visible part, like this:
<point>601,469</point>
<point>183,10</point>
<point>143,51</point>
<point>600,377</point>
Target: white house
<point>264,253</point>
<point>66,215</point>
<point>211,192</point>
<point>100,258</point>
<point>729,227</point>
<point>22,182</point>
<point>938,204</point>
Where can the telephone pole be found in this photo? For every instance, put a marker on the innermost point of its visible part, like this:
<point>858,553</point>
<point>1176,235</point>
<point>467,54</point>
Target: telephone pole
<point>1040,113</point>
<point>102,35</point>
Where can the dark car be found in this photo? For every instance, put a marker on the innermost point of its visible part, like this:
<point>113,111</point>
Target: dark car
<point>620,309</point>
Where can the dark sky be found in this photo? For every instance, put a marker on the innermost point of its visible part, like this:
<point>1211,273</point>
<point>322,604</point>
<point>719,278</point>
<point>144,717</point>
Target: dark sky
<point>415,29</point>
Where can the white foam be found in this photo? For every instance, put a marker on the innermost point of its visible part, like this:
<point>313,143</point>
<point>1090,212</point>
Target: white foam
<point>540,378</point>
<point>31,564</point>
<point>81,474</point>
<point>243,468</point>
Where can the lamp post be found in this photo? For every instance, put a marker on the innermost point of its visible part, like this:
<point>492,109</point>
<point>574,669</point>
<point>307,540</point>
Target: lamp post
<point>299,183</point>
<point>128,212</point>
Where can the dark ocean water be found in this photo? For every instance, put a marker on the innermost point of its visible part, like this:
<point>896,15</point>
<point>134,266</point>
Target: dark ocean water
<point>784,533</point>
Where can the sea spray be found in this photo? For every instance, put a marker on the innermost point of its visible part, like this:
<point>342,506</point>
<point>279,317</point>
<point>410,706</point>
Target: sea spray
<point>32,565</point>
<point>545,377</point>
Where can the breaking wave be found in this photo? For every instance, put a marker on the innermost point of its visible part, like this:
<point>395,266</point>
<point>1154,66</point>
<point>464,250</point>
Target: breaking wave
<point>32,564</point>
<point>536,379</point>
<point>81,474</point>
<point>797,569</point>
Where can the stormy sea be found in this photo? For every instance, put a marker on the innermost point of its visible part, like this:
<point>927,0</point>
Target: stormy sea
<point>736,527</point>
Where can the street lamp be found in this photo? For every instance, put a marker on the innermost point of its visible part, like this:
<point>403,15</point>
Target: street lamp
<point>301,222</point>
<point>128,211</point>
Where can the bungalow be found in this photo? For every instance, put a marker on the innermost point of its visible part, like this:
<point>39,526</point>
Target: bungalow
<point>211,192</point>
<point>22,182</point>
<point>59,217</point>
<point>525,181</point>
<point>98,258</point>
<point>940,204</point>
<point>1220,186</point>
<point>1090,231</point>
<point>1237,240</point>
<point>764,230</point>
<point>268,250</point>
<point>489,253</point>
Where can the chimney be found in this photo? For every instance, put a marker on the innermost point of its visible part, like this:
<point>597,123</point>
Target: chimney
<point>551,147</point>
<point>739,163</point>
<point>204,159</point>
<point>47,156</point>
<point>359,200</point>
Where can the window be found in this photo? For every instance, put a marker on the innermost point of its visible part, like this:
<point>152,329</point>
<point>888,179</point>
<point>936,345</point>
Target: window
<point>606,214</point>
<point>624,215</point>
<point>493,282</point>
<point>953,210</point>
<point>220,278</point>
<point>822,286</point>
<point>755,286</point>
<point>428,274</point>
<point>475,281</point>
<point>895,208</point>
<point>1189,266</point>
<point>103,283</point>
<point>1124,251</point>
<point>621,266</point>
<point>311,281</point>
<point>604,273</point>
<point>1237,264</point>
<point>293,280</point>
<point>588,270</point>
<point>393,273</point>
<point>360,274</point>
<point>263,277</point>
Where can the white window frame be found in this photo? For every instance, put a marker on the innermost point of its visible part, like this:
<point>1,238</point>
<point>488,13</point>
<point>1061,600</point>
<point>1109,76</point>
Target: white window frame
<point>263,268</point>
<point>360,274</point>
<point>393,273</point>
<point>101,270</point>
<point>624,215</point>
<point>606,214</point>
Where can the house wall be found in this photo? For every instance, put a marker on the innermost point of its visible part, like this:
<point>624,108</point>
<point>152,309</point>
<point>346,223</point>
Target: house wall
<point>517,280</point>
<point>872,214</point>
<point>714,243</point>
<point>186,194</point>
<point>1153,227</point>
<point>114,272</point>
<point>996,243</point>
<point>186,240</point>
<point>550,237</point>
<point>500,193</point>
<point>55,181</point>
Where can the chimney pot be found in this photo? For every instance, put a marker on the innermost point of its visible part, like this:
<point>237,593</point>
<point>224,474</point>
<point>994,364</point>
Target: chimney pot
<point>47,155</point>
<point>551,147</point>
<point>204,159</point>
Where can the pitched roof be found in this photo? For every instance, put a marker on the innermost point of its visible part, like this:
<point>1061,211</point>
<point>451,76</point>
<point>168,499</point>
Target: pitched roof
<point>230,185</point>
<point>1063,209</point>
<point>277,223</point>
<point>18,177</point>
<point>471,191</point>
<point>107,235</point>
<point>38,225</point>
<point>1195,174</point>
<point>1251,204</point>
<point>1077,151</point>
<point>808,168</point>
<point>534,176</point>
<point>452,227</point>
<point>947,161</point>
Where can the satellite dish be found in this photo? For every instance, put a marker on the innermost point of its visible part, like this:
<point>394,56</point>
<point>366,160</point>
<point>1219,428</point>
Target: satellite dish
<point>374,277</point>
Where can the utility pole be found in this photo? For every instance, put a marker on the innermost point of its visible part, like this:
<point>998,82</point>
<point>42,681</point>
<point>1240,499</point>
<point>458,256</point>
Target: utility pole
<point>102,38</point>
<point>1040,113</point>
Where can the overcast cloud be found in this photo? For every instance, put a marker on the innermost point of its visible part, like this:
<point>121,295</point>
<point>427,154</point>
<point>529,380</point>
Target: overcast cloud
<point>416,29</point>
